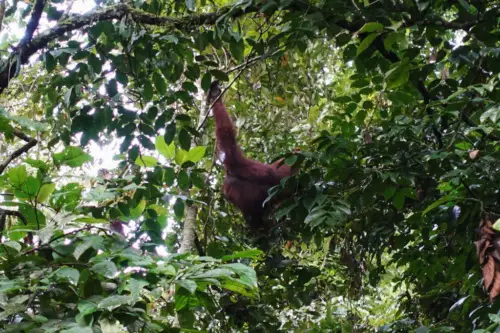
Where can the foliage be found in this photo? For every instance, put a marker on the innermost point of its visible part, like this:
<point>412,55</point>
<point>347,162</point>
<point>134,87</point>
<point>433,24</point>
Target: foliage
<point>394,106</point>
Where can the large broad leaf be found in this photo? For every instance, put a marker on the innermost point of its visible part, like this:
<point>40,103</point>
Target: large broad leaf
<point>166,150</point>
<point>366,43</point>
<point>137,211</point>
<point>45,191</point>
<point>112,302</point>
<point>398,75</point>
<point>196,154</point>
<point>146,161</point>
<point>72,156</point>
<point>71,274</point>
<point>240,287</point>
<point>100,193</point>
<point>86,307</point>
<point>372,27</point>
<point>183,180</point>
<point>439,202</point>
<point>189,285</point>
<point>106,268</point>
<point>214,273</point>
<point>17,175</point>
<point>244,272</point>
<point>492,114</point>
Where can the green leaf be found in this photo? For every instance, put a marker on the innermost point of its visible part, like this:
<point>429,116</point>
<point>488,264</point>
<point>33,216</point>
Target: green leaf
<point>170,133</point>
<point>492,113</point>
<point>45,191</point>
<point>398,75</point>
<point>439,202</point>
<point>206,81</point>
<point>160,84</point>
<point>214,274</point>
<point>147,92</point>
<point>81,248</point>
<point>219,75</point>
<point>169,176</point>
<point>37,164</point>
<point>31,186</point>
<point>183,180</point>
<point>71,274</point>
<point>17,175</point>
<point>237,48</point>
<point>180,156</point>
<point>399,200</point>
<point>105,268</point>
<point>196,154</point>
<point>100,194</point>
<point>146,161</point>
<point>189,285</point>
<point>372,27</point>
<point>72,156</point>
<point>137,211</point>
<point>167,151</point>
<point>13,245</point>
<point>248,254</point>
<point>290,160</point>
<point>136,286</point>
<point>179,208</point>
<point>366,43</point>
<point>184,139</point>
<point>496,225</point>
<point>244,272</point>
<point>50,62</point>
<point>115,301</point>
<point>240,287</point>
<point>86,307</point>
<point>389,192</point>
<point>67,97</point>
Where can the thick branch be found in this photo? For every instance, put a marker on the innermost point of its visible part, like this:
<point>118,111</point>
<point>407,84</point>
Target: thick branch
<point>31,143</point>
<point>189,231</point>
<point>2,12</point>
<point>6,212</point>
<point>33,23</point>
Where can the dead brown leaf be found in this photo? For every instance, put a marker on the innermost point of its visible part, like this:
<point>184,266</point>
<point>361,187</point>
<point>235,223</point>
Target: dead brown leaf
<point>488,249</point>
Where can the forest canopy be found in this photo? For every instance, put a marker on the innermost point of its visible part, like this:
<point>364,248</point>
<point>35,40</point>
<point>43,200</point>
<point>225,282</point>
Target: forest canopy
<point>112,213</point>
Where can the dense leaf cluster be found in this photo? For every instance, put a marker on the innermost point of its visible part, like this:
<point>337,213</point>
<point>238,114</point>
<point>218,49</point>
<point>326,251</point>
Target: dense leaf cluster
<point>394,107</point>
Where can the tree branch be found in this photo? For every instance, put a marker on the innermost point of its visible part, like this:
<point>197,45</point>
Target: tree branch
<point>31,143</point>
<point>27,47</point>
<point>6,212</point>
<point>2,13</point>
<point>33,23</point>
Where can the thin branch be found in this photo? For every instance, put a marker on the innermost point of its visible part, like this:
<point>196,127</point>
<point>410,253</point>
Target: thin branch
<point>252,60</point>
<point>218,97</point>
<point>24,149</point>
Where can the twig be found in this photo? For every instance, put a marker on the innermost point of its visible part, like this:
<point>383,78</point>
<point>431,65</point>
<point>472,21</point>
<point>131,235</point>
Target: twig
<point>74,232</point>
<point>31,143</point>
<point>218,97</point>
<point>252,60</point>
